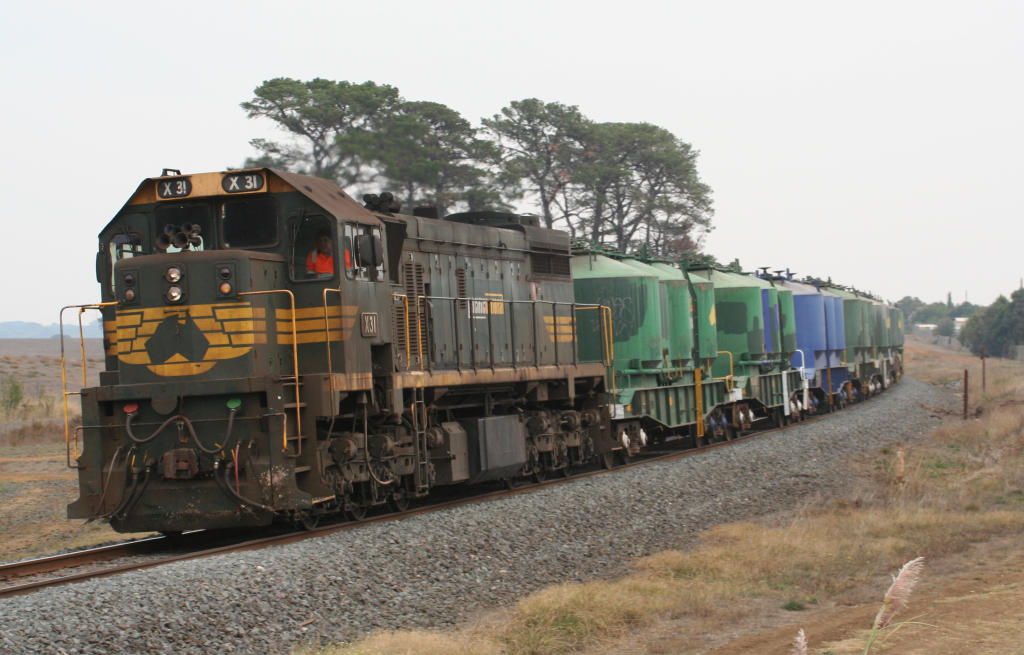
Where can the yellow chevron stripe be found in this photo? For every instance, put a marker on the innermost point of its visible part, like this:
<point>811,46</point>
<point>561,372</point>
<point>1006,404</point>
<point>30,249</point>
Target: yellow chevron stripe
<point>310,337</point>
<point>316,312</point>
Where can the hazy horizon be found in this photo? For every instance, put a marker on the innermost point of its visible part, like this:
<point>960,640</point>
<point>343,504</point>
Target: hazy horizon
<point>877,144</point>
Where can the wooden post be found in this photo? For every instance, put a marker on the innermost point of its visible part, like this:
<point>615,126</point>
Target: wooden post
<point>965,394</point>
<point>984,351</point>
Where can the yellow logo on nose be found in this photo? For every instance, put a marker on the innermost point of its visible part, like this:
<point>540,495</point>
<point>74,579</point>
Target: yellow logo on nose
<point>188,340</point>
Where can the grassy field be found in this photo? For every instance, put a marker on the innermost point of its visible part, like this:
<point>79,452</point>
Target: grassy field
<point>956,498</point>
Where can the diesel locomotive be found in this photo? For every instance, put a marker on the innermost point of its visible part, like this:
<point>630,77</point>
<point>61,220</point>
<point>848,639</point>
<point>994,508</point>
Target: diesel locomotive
<point>250,376</point>
<point>277,351</point>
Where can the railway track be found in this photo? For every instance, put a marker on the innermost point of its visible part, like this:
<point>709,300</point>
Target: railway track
<point>32,575</point>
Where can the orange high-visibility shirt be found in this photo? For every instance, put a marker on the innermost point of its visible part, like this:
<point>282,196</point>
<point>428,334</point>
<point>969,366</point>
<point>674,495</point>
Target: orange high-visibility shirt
<point>317,263</point>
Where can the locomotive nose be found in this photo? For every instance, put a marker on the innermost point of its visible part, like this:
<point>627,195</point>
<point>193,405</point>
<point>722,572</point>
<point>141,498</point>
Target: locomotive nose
<point>179,279</point>
<point>190,313</point>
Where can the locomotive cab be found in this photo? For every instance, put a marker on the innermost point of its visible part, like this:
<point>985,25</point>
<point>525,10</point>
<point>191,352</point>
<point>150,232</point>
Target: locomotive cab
<point>212,313</point>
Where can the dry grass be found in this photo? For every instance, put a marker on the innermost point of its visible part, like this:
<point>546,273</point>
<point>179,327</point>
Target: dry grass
<point>420,642</point>
<point>35,483</point>
<point>963,486</point>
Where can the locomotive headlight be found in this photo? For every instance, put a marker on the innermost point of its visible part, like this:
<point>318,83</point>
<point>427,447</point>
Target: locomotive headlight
<point>173,274</point>
<point>174,294</point>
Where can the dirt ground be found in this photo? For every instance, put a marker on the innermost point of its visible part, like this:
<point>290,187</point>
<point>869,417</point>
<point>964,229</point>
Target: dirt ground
<point>36,484</point>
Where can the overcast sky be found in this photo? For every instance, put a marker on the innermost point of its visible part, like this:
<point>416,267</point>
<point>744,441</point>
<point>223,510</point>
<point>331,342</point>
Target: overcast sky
<point>879,143</point>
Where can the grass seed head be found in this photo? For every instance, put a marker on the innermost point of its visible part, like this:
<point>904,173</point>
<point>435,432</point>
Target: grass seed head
<point>899,592</point>
<point>800,643</point>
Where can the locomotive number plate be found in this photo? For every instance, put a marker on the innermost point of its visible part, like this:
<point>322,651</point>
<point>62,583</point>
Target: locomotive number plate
<point>368,322</point>
<point>242,182</point>
<point>178,187</point>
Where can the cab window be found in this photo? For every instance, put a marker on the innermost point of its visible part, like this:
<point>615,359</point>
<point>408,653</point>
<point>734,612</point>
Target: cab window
<point>183,227</point>
<point>362,246</point>
<point>249,222</point>
<point>123,246</point>
<point>312,252</point>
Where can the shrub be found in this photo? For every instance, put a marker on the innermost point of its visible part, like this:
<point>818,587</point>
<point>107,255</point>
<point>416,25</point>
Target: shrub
<point>11,394</point>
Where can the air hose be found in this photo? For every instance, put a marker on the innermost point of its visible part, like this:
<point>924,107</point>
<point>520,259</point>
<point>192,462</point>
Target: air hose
<point>127,497</point>
<point>131,435</point>
<point>226,487</point>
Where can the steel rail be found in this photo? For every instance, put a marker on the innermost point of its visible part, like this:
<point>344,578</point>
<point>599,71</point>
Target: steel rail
<point>106,553</point>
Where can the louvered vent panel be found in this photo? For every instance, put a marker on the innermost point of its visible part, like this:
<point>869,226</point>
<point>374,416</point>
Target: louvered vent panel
<point>460,284</point>
<point>549,264</point>
<point>417,308</point>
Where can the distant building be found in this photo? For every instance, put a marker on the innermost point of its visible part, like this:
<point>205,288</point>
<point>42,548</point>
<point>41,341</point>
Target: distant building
<point>924,329</point>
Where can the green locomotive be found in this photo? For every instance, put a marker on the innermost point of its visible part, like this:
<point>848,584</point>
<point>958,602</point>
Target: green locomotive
<point>277,350</point>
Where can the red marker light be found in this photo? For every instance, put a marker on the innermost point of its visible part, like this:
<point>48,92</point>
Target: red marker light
<point>131,408</point>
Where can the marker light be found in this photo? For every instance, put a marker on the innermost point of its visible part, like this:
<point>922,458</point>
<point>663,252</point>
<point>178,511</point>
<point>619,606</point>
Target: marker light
<point>129,294</point>
<point>131,408</point>
<point>225,288</point>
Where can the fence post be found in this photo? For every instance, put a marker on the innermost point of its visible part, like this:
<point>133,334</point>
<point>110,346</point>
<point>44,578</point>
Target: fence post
<point>965,394</point>
<point>984,351</point>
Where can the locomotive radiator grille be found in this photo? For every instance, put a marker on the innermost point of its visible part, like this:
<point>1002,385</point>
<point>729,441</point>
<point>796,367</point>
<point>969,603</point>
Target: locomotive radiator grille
<point>414,290</point>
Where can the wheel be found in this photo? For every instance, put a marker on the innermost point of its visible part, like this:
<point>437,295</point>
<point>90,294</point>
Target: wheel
<point>356,511</point>
<point>308,520</point>
<point>539,474</point>
<point>624,457</point>
<point>399,500</point>
<point>356,505</point>
<point>608,460</point>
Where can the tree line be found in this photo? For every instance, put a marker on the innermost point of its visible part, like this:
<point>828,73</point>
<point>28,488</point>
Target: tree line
<point>940,314</point>
<point>628,186</point>
<point>998,328</point>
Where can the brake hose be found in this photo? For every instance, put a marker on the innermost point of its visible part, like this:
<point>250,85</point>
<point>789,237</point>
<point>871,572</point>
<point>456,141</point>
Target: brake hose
<point>226,487</point>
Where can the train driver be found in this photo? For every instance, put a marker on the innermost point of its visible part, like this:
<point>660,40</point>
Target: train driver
<point>320,260</point>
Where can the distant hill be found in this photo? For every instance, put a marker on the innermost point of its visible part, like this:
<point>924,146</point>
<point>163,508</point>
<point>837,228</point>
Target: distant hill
<point>25,330</point>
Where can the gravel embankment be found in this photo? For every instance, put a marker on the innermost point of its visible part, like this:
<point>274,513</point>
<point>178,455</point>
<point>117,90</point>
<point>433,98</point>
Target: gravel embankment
<point>436,569</point>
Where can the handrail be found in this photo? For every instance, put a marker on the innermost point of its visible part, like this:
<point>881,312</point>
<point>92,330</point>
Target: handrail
<point>295,364</point>
<point>699,398</point>
<point>731,380</point>
<point>419,332</point>
<point>607,340</point>
<point>330,362</point>
<point>327,334</point>
<point>63,371</point>
<point>607,336</point>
